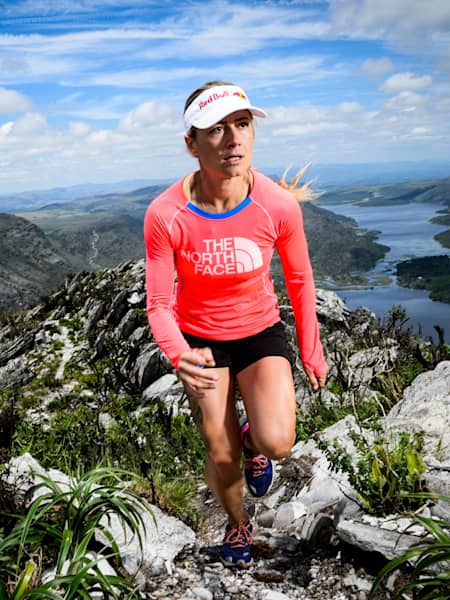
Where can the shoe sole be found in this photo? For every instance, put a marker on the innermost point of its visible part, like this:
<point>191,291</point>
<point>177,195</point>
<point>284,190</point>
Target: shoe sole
<point>237,565</point>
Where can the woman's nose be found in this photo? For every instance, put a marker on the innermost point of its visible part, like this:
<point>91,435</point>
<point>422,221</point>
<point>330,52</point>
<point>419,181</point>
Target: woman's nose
<point>233,136</point>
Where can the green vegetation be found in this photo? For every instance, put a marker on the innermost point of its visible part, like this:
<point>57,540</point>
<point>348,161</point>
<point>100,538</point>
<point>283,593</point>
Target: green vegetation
<point>429,577</point>
<point>427,273</point>
<point>442,218</point>
<point>56,530</point>
<point>383,469</point>
<point>90,413</point>
<point>148,443</point>
<point>443,238</point>
<point>386,472</point>
<point>321,415</point>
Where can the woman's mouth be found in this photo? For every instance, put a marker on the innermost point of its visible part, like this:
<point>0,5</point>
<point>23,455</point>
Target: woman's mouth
<point>235,158</point>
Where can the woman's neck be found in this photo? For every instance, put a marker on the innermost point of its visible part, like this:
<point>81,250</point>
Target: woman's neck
<point>219,195</point>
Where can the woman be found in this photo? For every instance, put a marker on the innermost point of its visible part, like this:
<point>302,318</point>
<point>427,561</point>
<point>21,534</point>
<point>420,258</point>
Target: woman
<point>217,229</point>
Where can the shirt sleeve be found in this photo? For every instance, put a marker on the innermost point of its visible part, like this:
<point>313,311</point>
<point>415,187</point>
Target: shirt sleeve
<point>293,251</point>
<point>160,268</point>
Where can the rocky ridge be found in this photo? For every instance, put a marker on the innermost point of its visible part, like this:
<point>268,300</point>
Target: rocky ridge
<point>312,537</point>
<point>30,263</point>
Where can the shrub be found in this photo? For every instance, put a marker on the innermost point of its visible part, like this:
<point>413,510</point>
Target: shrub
<point>64,522</point>
<point>385,473</point>
<point>430,578</point>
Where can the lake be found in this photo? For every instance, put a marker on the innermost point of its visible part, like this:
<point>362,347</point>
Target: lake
<point>407,232</point>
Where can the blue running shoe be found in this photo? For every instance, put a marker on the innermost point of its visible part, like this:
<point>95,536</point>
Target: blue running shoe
<point>258,469</point>
<point>236,548</point>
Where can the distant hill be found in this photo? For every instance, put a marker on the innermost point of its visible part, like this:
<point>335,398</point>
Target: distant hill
<point>326,175</point>
<point>427,273</point>
<point>35,199</point>
<point>97,231</point>
<point>104,230</point>
<point>337,248</point>
<point>133,203</point>
<point>434,191</point>
<point>39,247</point>
<point>367,174</point>
<point>92,240</point>
<point>30,265</point>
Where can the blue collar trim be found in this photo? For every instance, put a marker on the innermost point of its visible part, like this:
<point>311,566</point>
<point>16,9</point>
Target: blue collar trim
<point>224,215</point>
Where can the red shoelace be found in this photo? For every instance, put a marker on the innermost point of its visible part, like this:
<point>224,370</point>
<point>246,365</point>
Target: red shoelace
<point>240,536</point>
<point>256,464</point>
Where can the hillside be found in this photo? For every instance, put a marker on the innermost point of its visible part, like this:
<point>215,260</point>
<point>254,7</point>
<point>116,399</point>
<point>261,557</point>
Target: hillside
<point>427,273</point>
<point>83,386</point>
<point>30,264</point>
<point>91,240</point>
<point>435,191</point>
<point>337,248</point>
<point>103,230</point>
<point>35,199</point>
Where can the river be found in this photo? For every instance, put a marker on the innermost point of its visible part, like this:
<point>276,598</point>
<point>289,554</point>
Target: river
<point>408,233</point>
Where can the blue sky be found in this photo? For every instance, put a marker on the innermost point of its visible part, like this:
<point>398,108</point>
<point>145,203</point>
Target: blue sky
<point>93,90</point>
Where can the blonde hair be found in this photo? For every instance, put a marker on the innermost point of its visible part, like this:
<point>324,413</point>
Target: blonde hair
<point>304,192</point>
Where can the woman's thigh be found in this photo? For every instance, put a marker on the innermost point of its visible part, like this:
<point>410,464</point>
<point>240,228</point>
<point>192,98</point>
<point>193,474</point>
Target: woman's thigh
<point>267,389</point>
<point>215,416</point>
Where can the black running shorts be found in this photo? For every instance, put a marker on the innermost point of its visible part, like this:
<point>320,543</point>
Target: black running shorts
<point>239,354</point>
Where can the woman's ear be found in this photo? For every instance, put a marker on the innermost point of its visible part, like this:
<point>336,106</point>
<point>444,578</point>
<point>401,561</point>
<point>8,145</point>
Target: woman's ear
<point>190,145</point>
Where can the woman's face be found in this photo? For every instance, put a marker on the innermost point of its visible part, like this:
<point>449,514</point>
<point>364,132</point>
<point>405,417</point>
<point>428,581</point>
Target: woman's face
<point>225,150</point>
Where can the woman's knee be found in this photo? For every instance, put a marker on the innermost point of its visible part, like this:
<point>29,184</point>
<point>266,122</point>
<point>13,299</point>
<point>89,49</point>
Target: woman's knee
<point>275,447</point>
<point>223,454</point>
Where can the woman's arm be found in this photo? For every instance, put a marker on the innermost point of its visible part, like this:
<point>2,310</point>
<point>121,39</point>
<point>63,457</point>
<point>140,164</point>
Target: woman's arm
<point>293,251</point>
<point>160,270</point>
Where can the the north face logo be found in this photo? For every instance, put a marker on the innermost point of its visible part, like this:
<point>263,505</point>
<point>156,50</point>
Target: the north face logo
<point>225,256</point>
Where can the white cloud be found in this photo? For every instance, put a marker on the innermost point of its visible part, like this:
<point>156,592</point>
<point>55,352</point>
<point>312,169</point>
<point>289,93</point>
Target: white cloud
<point>100,137</point>
<point>147,115</point>
<point>419,131</point>
<point>349,107</point>
<point>307,129</point>
<point>391,18</point>
<point>79,129</point>
<point>12,102</point>
<point>401,82</point>
<point>406,101</point>
<point>6,128</point>
<point>42,68</point>
<point>112,88</point>
<point>29,124</point>
<point>374,67</point>
<point>15,64</point>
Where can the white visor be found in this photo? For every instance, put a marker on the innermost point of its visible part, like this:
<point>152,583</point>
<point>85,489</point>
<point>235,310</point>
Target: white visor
<point>215,103</point>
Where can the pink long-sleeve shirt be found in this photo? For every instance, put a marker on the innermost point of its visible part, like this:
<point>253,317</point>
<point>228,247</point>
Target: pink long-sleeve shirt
<point>223,289</point>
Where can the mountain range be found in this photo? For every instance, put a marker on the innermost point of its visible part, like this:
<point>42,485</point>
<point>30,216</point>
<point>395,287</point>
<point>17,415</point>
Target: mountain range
<point>30,263</point>
<point>40,247</point>
<point>324,175</point>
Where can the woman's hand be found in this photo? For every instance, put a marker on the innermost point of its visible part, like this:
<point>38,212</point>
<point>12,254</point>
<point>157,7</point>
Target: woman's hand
<point>316,381</point>
<point>196,379</point>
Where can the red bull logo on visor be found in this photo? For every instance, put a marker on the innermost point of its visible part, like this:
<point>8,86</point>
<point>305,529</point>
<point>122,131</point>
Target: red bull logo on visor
<point>218,96</point>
